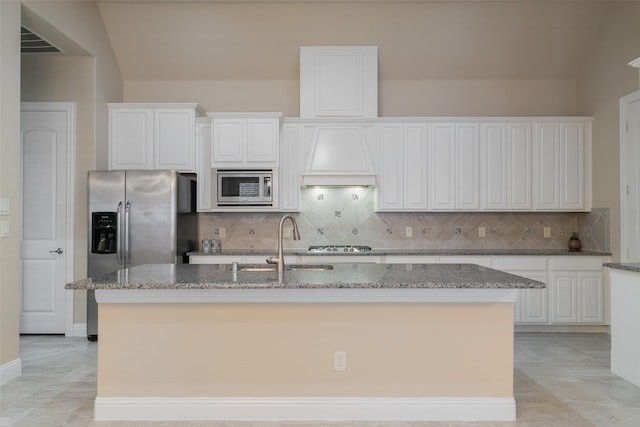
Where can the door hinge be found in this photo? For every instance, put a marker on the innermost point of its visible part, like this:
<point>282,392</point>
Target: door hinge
<point>626,126</point>
<point>627,190</point>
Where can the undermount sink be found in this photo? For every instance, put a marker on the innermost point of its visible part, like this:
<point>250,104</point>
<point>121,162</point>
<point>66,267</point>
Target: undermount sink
<point>290,267</point>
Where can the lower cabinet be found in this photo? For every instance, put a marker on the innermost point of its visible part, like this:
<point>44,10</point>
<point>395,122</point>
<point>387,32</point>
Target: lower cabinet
<point>578,291</point>
<point>575,292</point>
<point>531,304</point>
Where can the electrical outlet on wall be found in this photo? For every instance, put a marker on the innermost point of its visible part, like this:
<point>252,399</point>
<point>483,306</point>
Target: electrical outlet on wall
<point>482,232</point>
<point>408,231</point>
<point>5,207</point>
<point>547,232</point>
<point>340,361</point>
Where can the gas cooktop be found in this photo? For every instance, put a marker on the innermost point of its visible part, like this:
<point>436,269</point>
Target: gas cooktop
<point>339,248</point>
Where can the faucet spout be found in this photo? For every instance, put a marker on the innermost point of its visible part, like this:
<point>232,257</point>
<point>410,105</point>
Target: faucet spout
<point>279,261</point>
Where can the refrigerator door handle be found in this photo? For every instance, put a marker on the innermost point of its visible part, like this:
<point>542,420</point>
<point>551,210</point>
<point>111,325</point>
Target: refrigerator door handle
<point>127,253</point>
<point>118,238</point>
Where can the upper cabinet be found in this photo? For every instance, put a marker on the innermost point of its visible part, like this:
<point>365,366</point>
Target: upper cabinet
<point>505,166</point>
<point>486,164</point>
<point>245,140</point>
<point>338,81</point>
<point>454,166</point>
<point>290,168</point>
<point>562,165</point>
<point>401,159</point>
<point>152,136</point>
<point>203,163</point>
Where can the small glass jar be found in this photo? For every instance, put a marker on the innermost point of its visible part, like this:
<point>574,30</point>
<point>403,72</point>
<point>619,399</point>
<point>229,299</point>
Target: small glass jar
<point>206,246</point>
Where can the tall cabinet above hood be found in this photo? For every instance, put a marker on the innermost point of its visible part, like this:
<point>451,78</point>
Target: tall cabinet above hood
<point>338,82</point>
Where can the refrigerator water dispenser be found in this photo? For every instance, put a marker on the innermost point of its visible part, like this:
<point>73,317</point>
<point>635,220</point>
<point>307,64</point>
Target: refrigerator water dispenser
<point>104,231</point>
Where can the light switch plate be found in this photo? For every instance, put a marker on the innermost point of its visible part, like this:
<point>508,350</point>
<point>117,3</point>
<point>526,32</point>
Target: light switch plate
<point>5,207</point>
<point>5,226</point>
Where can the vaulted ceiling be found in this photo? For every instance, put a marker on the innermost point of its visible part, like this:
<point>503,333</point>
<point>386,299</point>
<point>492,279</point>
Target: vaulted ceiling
<point>420,39</point>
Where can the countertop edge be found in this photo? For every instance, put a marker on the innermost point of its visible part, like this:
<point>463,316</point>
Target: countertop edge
<point>634,267</point>
<point>315,296</point>
<point>402,252</point>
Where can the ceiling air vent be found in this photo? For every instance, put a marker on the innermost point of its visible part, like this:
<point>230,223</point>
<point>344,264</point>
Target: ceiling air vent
<point>33,43</point>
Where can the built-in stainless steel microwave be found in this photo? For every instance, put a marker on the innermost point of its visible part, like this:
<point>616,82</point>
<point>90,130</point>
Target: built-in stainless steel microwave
<point>238,187</point>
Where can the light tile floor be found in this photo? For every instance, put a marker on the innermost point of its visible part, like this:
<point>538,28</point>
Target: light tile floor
<point>560,380</point>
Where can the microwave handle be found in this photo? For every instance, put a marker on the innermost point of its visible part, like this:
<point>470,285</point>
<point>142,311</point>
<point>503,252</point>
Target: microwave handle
<point>267,186</point>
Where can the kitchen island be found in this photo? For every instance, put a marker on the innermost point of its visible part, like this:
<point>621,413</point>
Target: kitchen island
<point>625,318</point>
<point>355,342</point>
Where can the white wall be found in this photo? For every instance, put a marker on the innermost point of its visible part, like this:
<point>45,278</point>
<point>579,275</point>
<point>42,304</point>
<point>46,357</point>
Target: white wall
<point>605,78</point>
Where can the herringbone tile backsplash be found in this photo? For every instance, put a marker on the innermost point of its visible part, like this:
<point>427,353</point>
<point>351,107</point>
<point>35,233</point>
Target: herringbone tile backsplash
<point>346,216</point>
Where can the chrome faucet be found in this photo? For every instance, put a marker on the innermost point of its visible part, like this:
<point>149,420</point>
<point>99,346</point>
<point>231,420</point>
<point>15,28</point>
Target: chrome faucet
<point>279,260</point>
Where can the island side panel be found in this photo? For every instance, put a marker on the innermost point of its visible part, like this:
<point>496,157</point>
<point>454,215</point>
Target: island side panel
<point>625,318</point>
<point>287,350</point>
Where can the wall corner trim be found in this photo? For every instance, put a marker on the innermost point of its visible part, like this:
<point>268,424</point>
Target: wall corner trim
<point>10,370</point>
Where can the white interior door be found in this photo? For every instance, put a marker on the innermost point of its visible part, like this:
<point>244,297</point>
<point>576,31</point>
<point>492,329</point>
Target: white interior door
<point>630,176</point>
<point>47,221</point>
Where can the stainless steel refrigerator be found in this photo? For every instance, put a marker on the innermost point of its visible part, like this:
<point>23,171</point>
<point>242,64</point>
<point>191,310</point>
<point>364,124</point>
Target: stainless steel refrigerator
<point>138,217</point>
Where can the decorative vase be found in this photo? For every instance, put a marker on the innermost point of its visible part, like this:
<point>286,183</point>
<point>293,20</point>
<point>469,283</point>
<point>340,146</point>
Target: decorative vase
<point>574,243</point>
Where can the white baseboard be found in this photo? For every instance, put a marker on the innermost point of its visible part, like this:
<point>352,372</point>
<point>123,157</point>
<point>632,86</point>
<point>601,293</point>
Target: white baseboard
<point>79,330</point>
<point>305,409</point>
<point>10,370</point>
<point>577,329</point>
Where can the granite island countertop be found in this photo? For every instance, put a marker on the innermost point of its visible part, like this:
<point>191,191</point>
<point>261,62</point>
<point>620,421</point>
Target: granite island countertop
<point>630,266</point>
<point>341,276</point>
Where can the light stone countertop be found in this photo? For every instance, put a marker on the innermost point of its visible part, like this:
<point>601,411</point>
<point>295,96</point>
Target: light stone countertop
<point>412,252</point>
<point>350,276</point>
<point>634,267</point>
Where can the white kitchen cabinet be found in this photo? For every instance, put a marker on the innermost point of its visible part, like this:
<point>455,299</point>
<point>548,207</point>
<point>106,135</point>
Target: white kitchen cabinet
<point>289,174</point>
<point>203,164</point>
<point>402,158</point>
<point>442,166</point>
<point>531,304</point>
<point>338,81</point>
<point>505,166</point>
<point>577,290</point>
<point>467,167</point>
<point>152,136</point>
<point>454,162</point>
<point>562,166</point>
<point>245,140</point>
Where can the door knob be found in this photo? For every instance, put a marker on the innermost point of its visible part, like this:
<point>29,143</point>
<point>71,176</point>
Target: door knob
<point>58,251</point>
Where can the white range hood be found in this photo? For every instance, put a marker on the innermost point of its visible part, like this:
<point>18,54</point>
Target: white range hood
<point>339,87</point>
<point>339,156</point>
